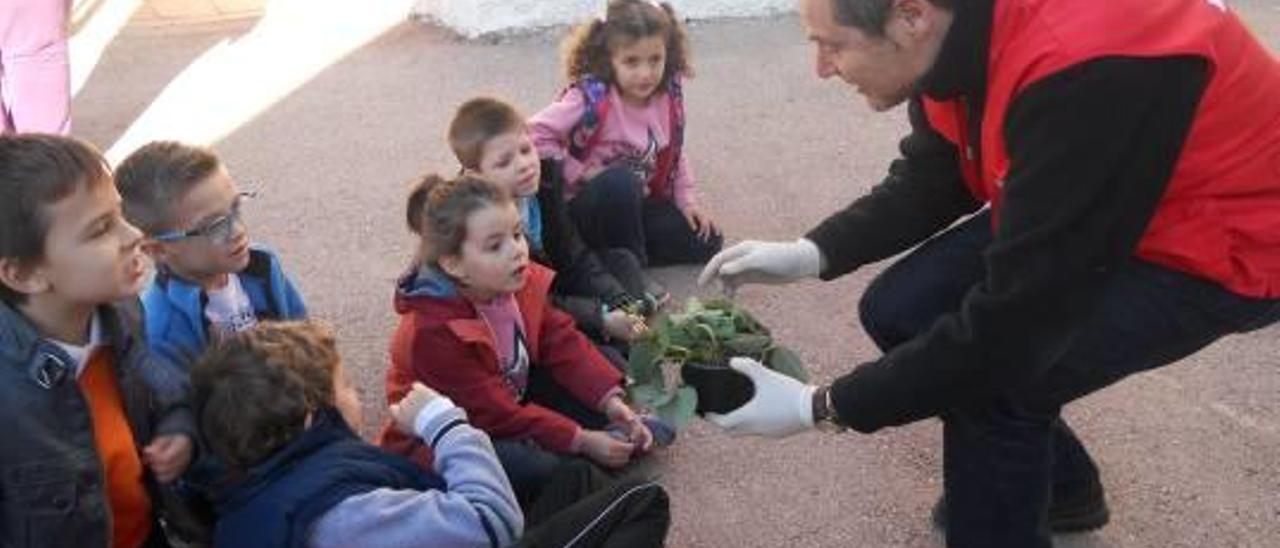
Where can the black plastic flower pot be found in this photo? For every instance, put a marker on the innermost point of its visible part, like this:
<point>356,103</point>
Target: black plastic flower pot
<point>721,389</point>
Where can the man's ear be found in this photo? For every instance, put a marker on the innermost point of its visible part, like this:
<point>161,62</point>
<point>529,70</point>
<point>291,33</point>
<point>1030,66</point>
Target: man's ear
<point>452,265</point>
<point>916,18</point>
<point>23,276</point>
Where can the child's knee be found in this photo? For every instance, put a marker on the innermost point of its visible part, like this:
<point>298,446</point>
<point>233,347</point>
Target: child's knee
<point>617,186</point>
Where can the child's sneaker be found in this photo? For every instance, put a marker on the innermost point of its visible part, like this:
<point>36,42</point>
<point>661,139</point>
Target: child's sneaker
<point>655,295</point>
<point>663,434</point>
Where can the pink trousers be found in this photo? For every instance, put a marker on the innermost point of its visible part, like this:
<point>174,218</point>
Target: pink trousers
<point>35,78</point>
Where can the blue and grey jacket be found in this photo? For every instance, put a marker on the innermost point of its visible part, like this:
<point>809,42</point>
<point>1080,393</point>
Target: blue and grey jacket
<point>177,330</point>
<point>328,488</point>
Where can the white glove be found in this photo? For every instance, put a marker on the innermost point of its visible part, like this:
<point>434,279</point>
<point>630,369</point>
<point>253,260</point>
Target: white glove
<point>782,406</point>
<point>754,261</point>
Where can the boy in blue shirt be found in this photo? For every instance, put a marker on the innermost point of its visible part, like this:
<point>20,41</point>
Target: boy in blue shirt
<point>210,280</point>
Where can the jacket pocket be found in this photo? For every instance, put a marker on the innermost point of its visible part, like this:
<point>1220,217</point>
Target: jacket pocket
<point>39,502</point>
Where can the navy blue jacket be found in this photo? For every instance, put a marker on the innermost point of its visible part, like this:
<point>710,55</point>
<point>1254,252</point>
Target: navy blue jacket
<point>276,502</point>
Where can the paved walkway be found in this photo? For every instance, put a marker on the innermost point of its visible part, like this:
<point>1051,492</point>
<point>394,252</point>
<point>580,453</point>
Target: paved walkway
<point>1188,453</point>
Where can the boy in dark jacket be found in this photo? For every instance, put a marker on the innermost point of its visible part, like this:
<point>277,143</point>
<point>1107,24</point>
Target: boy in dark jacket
<point>607,294</point>
<point>92,423</point>
<point>275,406</point>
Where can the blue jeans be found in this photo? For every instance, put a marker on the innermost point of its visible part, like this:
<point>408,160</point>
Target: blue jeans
<point>1003,457</point>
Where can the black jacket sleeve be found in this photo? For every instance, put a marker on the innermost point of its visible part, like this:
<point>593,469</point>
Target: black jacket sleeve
<point>578,269</point>
<point>923,193</point>
<point>1091,149</point>
<point>585,312</point>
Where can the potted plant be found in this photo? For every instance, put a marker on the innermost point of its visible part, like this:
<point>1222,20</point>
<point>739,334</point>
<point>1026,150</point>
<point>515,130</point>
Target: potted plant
<point>681,366</point>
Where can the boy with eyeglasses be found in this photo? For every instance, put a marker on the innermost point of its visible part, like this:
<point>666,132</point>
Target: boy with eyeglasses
<point>210,281</point>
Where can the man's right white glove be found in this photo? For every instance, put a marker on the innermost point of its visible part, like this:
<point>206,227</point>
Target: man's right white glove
<point>755,261</point>
<point>781,406</point>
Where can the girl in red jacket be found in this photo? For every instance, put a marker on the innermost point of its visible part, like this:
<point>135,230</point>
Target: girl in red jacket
<point>476,324</point>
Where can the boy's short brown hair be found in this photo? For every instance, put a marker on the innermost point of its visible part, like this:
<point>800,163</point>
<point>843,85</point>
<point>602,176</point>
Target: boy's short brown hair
<point>155,177</point>
<point>253,390</point>
<point>37,171</point>
<point>475,123</point>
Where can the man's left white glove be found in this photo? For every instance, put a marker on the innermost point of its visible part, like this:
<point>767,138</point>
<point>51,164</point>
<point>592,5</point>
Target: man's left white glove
<point>782,406</point>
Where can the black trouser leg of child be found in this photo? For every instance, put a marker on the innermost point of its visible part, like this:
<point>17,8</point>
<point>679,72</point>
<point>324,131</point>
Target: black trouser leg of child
<point>670,240</point>
<point>612,212</point>
<point>581,507</point>
<point>625,266</point>
<point>528,467</point>
<point>607,212</point>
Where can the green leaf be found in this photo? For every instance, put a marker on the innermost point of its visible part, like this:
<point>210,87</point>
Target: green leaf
<point>681,334</point>
<point>693,306</point>
<point>720,304</point>
<point>722,326</point>
<point>680,409</point>
<point>707,334</point>
<point>783,360</point>
<point>752,346</point>
<point>649,396</point>
<point>643,361</point>
<point>747,323</point>
<point>677,354</point>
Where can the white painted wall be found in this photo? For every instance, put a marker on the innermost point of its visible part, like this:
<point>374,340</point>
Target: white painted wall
<point>473,18</point>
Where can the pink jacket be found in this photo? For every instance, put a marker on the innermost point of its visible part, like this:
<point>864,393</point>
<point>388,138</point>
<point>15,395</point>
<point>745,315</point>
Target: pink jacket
<point>631,134</point>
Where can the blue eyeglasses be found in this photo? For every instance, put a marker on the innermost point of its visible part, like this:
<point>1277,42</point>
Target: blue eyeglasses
<point>219,231</point>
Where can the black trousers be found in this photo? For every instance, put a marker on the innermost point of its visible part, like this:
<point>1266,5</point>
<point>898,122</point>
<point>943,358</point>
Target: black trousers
<point>582,507</point>
<point>1003,457</point>
<point>612,212</point>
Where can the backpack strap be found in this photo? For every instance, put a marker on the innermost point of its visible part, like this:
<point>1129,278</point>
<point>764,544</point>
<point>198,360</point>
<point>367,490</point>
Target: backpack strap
<point>586,134</point>
<point>662,183</point>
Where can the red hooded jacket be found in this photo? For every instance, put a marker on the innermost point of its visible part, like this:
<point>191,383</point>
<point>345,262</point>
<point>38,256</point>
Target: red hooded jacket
<point>443,343</point>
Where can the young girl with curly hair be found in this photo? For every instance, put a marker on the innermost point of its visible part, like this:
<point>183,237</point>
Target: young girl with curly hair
<point>619,131</point>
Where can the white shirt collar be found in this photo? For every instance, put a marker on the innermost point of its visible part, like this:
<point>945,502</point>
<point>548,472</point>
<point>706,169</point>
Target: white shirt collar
<point>80,354</point>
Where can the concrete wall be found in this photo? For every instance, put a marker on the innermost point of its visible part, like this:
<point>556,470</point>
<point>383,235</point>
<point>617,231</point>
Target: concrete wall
<point>473,18</point>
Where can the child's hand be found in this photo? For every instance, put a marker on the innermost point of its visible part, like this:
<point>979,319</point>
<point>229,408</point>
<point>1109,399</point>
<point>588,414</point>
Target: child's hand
<point>621,414</point>
<point>699,222</point>
<point>405,412</point>
<point>606,450</point>
<point>168,456</point>
<point>623,326</point>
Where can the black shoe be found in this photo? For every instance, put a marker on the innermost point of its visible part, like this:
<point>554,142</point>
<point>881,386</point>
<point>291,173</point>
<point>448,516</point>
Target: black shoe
<point>1071,511</point>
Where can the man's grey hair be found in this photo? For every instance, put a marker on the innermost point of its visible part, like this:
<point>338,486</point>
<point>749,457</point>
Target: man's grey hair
<point>871,16</point>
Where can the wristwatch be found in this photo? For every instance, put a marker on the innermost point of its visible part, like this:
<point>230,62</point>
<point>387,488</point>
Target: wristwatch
<point>825,418</point>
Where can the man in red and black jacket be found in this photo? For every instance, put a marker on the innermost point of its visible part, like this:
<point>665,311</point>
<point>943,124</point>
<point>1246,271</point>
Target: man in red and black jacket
<point>1123,161</point>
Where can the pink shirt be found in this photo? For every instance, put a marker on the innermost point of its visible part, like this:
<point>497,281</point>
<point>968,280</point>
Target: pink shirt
<point>631,136</point>
<point>503,317</point>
